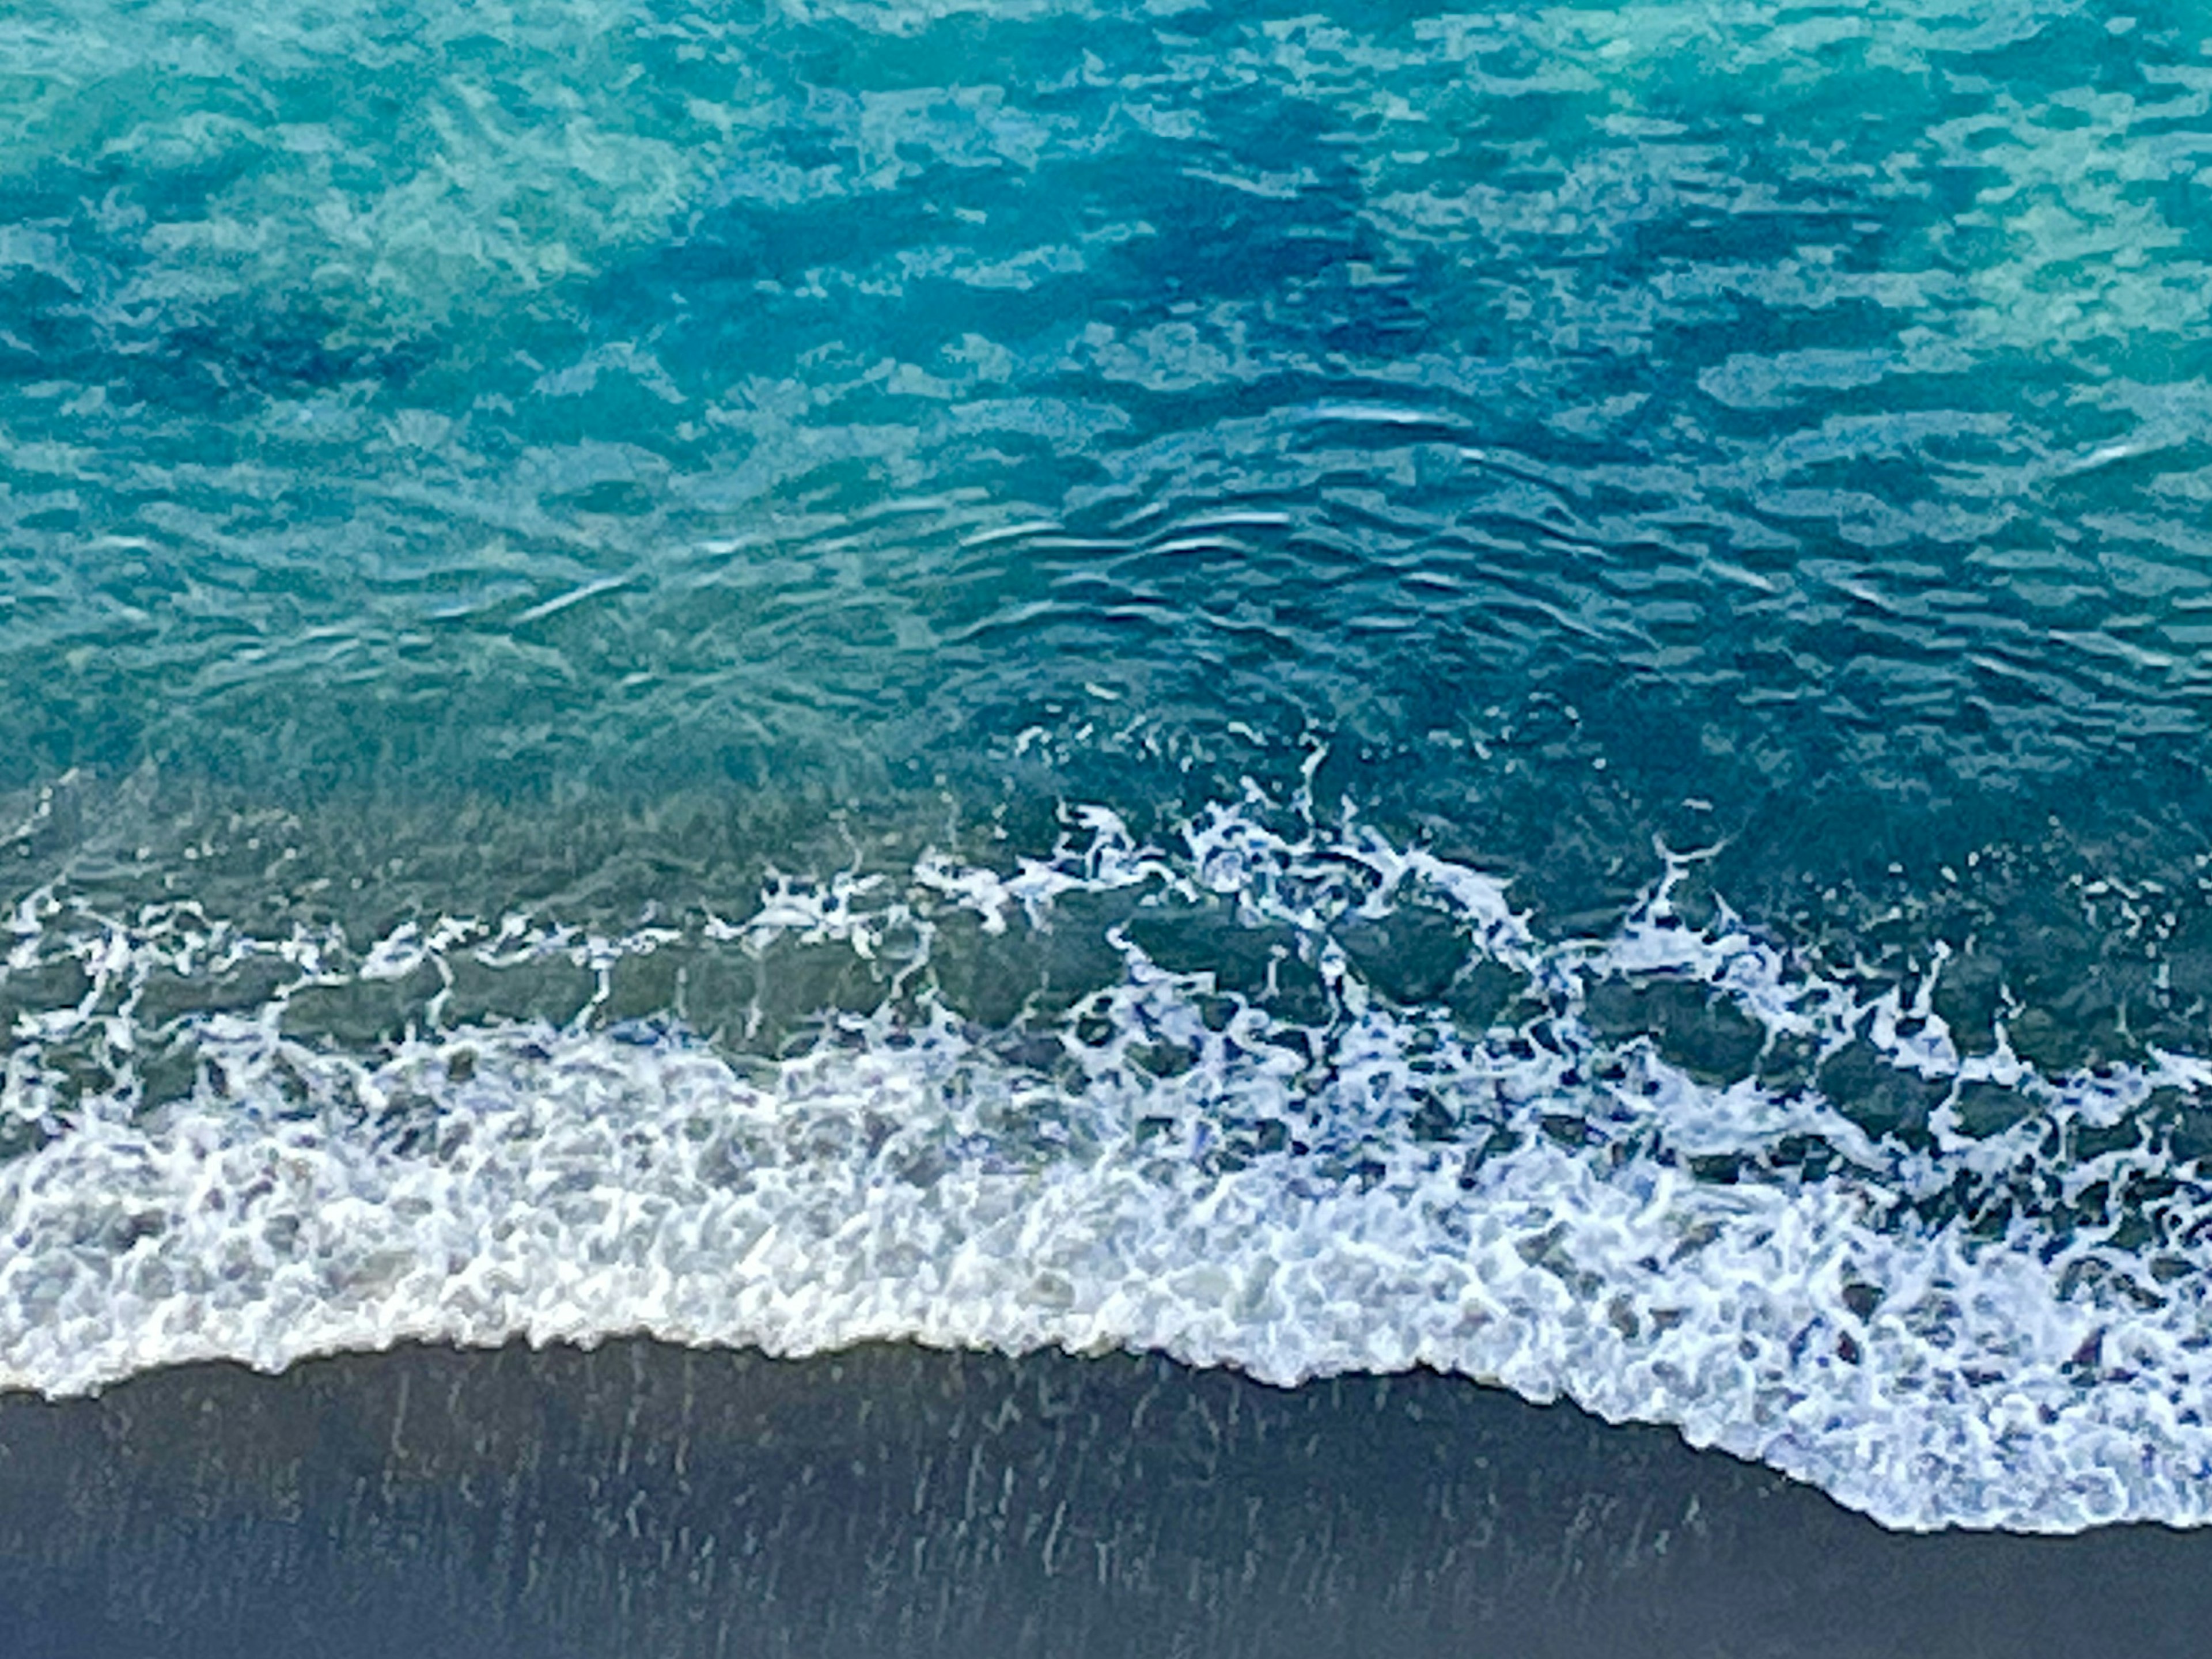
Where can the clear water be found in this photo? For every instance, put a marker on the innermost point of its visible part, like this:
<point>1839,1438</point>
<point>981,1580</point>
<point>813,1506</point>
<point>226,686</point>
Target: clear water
<point>1521,692</point>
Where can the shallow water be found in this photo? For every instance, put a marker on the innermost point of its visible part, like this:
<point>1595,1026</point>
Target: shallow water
<point>1519,692</point>
<point>890,1500</point>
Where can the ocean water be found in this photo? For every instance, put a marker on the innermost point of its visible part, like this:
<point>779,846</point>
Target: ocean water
<point>1519,691</point>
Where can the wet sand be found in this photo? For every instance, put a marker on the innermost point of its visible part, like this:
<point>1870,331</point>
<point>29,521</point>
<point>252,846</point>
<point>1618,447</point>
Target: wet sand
<point>647,1500</point>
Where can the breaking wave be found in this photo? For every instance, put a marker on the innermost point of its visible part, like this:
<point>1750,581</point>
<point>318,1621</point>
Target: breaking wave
<point>1640,1170</point>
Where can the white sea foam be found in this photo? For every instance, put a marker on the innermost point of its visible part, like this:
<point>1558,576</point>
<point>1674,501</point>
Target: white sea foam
<point>1375,1189</point>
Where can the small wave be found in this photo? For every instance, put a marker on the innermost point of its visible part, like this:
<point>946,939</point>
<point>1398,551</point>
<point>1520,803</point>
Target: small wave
<point>1964,1320</point>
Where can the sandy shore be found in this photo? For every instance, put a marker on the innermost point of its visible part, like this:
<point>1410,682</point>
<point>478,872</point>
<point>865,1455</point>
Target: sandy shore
<point>648,1500</point>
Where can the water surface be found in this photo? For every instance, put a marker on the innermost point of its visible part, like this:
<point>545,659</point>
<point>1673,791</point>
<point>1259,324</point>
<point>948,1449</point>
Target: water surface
<point>1514,691</point>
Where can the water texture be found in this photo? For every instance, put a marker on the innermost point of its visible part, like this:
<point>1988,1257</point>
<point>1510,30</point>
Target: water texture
<point>1521,692</point>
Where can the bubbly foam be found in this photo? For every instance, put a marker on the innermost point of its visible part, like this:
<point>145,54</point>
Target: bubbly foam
<point>1942,1327</point>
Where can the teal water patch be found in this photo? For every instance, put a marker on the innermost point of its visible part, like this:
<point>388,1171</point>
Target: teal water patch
<point>684,544</point>
<point>1832,419</point>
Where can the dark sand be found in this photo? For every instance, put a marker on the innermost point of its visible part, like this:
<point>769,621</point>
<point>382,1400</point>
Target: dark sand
<point>643,1500</point>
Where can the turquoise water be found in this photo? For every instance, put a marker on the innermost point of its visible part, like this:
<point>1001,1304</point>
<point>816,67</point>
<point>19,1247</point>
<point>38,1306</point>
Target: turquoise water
<point>1521,692</point>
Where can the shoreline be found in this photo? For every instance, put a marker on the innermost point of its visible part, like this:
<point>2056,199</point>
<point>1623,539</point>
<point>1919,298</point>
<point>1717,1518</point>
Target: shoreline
<point>641,1497</point>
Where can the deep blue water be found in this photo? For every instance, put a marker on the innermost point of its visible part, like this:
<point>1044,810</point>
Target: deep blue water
<point>1515,691</point>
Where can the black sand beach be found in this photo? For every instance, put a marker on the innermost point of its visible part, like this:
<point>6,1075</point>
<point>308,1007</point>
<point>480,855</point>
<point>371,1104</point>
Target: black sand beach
<point>642,1499</point>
